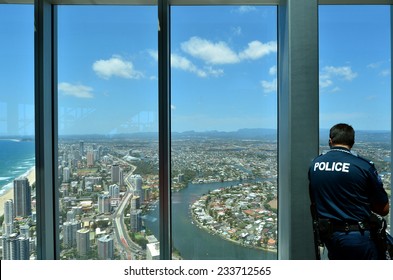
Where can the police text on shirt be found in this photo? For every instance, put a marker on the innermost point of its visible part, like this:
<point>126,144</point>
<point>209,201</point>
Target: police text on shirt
<point>332,166</point>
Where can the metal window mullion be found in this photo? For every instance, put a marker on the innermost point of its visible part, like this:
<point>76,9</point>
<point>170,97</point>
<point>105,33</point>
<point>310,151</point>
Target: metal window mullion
<point>298,123</point>
<point>45,144</point>
<point>164,137</point>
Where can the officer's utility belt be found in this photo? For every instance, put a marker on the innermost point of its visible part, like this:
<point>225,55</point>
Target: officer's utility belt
<point>327,227</point>
<point>349,226</point>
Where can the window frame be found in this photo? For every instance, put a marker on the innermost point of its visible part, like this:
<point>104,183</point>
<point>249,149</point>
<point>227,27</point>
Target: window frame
<point>297,27</point>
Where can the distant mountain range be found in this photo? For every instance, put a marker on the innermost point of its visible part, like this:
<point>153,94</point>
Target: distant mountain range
<point>363,135</point>
<point>245,133</point>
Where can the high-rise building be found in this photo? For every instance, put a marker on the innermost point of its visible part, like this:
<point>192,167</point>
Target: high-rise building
<point>70,216</point>
<point>23,248</point>
<point>136,181</point>
<point>96,155</point>
<point>3,242</point>
<point>82,148</point>
<point>22,197</point>
<point>104,203</point>
<point>115,173</point>
<point>105,247</point>
<point>121,177</point>
<point>66,174</point>
<point>12,247</point>
<point>8,223</point>
<point>69,233</point>
<point>136,220</point>
<point>90,158</point>
<point>15,247</point>
<point>83,241</point>
<point>114,191</point>
<point>135,202</point>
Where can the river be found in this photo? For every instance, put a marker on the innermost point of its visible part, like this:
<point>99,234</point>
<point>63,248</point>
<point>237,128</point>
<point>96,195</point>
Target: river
<point>195,243</point>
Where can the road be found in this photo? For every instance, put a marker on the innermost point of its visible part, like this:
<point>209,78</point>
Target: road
<point>128,249</point>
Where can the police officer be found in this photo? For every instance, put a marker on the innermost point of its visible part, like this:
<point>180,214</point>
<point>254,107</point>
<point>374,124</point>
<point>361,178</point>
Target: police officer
<point>345,189</point>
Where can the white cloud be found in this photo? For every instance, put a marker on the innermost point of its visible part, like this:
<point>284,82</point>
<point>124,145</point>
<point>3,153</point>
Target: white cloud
<point>344,72</point>
<point>245,9</point>
<point>257,49</point>
<point>213,72</point>
<point>221,53</point>
<point>375,65</point>
<point>209,52</point>
<point>330,73</point>
<point>273,70</point>
<point>79,91</point>
<point>269,86</point>
<point>325,81</point>
<point>153,54</point>
<point>183,63</point>
<point>116,66</point>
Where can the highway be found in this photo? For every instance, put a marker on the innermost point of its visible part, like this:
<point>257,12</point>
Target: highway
<point>127,248</point>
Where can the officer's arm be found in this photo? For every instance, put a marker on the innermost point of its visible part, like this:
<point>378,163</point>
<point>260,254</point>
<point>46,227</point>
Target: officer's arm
<point>381,209</point>
<point>380,201</point>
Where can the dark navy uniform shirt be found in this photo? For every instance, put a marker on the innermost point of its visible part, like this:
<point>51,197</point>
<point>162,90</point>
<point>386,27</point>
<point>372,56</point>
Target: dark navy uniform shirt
<point>344,186</point>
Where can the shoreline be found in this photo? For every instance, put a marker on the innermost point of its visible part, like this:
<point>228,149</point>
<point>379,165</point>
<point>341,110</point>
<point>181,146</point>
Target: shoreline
<point>201,226</point>
<point>8,193</point>
<point>231,240</point>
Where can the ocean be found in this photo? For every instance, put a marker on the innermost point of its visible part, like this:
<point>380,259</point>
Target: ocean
<point>16,159</point>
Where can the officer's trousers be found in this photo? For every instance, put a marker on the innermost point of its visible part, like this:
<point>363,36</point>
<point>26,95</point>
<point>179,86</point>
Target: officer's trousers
<point>352,245</point>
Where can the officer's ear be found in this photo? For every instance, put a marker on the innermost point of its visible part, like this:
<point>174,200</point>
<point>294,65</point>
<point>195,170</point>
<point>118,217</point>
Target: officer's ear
<point>330,142</point>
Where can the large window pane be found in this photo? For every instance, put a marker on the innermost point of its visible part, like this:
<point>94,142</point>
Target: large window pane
<point>108,152</point>
<point>17,150</point>
<point>355,79</point>
<point>224,112</point>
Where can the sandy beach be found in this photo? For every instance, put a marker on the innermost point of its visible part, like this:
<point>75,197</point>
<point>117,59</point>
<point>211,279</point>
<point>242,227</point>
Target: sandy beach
<point>9,194</point>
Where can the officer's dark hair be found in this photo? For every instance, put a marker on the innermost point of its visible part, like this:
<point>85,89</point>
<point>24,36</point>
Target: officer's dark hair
<point>343,134</point>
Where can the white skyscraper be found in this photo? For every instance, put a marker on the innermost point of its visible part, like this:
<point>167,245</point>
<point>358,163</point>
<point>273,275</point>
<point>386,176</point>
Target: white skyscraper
<point>70,216</point>
<point>104,203</point>
<point>121,177</point>
<point>137,182</point>
<point>69,233</point>
<point>114,191</point>
<point>66,174</point>
<point>8,224</point>
<point>15,247</point>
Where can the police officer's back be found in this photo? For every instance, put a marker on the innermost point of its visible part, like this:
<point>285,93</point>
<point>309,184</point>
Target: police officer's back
<point>345,189</point>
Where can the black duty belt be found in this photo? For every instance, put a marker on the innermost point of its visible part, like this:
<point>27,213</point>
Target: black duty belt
<point>349,226</point>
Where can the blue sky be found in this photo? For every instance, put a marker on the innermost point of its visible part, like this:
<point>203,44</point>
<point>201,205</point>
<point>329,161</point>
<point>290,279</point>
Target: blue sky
<point>224,68</point>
